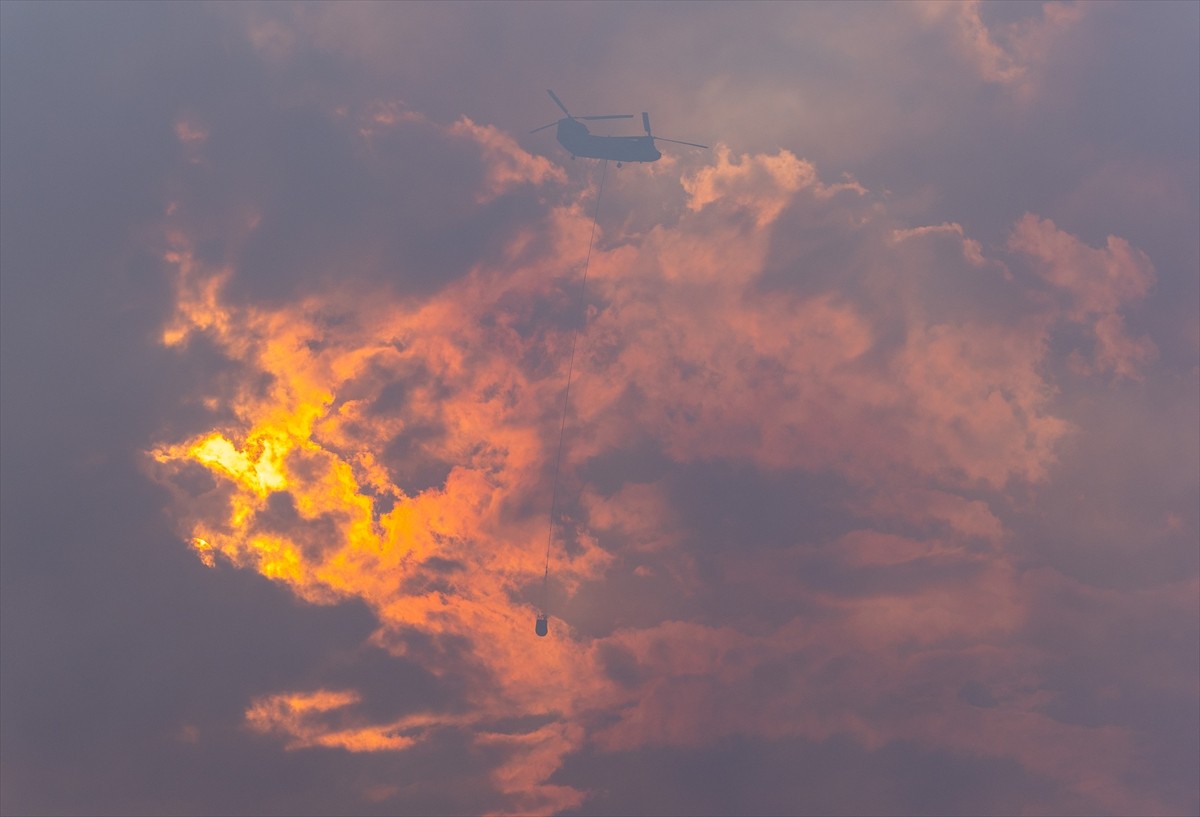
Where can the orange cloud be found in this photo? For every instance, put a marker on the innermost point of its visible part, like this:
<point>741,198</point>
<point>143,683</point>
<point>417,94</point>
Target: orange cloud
<point>1095,284</point>
<point>397,451</point>
<point>538,755</point>
<point>303,719</point>
<point>507,163</point>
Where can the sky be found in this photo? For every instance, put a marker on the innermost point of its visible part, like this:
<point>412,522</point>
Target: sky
<point>880,482</point>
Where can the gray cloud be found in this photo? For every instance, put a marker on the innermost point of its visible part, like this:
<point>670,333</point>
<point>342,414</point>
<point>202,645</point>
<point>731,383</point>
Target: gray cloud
<point>849,619</point>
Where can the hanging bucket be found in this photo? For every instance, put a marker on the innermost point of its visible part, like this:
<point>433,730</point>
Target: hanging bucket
<point>542,626</point>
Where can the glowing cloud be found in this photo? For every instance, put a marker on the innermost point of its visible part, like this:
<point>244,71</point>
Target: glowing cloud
<point>397,450</point>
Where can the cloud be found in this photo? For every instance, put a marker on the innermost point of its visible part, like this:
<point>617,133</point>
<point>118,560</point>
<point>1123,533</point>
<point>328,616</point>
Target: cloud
<point>1006,54</point>
<point>508,165</point>
<point>887,476</point>
<point>1095,285</point>
<point>298,716</point>
<point>711,337</point>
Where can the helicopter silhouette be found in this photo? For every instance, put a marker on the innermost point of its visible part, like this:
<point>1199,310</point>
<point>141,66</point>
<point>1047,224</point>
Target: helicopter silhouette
<point>573,135</point>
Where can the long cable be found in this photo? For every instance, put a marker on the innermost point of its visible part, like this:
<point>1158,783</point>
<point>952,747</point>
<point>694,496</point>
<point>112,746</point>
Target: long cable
<point>567,391</point>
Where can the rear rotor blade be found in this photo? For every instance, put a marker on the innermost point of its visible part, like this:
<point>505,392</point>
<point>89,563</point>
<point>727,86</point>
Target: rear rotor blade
<point>679,142</point>
<point>543,127</point>
<point>646,122</point>
<point>609,116</point>
<point>558,102</point>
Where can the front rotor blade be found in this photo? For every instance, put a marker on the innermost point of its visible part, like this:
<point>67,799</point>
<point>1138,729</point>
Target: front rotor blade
<point>609,116</point>
<point>543,127</point>
<point>679,142</point>
<point>558,102</point>
<point>646,122</point>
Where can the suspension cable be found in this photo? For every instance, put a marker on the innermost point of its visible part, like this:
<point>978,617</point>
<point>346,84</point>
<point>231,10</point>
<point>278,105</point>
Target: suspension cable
<point>567,391</point>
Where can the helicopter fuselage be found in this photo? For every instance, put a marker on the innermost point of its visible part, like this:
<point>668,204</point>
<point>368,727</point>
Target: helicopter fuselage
<point>579,141</point>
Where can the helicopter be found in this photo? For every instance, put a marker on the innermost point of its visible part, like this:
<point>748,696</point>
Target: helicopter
<point>573,135</point>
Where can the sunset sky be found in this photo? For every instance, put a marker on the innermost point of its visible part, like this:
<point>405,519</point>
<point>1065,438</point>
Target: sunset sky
<point>880,491</point>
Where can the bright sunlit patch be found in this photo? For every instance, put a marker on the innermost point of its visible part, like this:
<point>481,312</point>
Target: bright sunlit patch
<point>304,718</point>
<point>204,551</point>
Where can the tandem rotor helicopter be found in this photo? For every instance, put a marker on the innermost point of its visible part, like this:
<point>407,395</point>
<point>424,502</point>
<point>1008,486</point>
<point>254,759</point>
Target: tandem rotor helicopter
<point>573,135</point>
